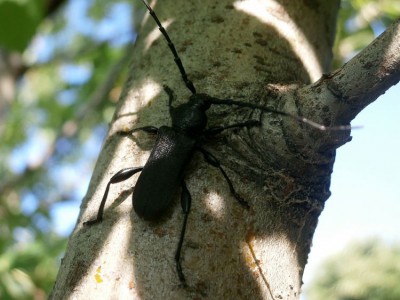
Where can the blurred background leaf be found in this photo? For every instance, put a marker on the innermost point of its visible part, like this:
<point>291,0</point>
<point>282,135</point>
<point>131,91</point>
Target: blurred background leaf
<point>363,271</point>
<point>19,20</point>
<point>359,22</point>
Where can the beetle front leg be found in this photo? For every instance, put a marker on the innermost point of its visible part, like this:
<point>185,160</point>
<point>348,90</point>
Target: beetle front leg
<point>186,201</point>
<point>171,97</point>
<point>148,129</point>
<point>121,175</point>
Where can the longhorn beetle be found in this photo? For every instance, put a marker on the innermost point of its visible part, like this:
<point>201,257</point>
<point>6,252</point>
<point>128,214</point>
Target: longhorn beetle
<point>163,172</point>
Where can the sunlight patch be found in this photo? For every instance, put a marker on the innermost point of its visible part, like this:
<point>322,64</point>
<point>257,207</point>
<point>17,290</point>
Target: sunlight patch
<point>287,28</point>
<point>215,204</point>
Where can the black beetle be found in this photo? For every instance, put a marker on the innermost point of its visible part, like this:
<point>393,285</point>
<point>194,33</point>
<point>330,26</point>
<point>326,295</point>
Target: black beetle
<point>171,153</point>
<point>174,149</point>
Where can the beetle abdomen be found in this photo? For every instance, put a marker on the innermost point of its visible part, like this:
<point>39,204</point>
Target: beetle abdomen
<point>162,174</point>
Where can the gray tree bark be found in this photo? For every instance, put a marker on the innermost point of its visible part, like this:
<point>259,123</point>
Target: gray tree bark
<point>271,53</point>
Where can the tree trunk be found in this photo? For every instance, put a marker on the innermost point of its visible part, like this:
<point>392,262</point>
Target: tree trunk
<point>262,52</point>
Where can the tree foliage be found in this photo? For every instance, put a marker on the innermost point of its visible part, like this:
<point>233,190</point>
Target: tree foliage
<point>365,270</point>
<point>63,86</point>
<point>62,67</point>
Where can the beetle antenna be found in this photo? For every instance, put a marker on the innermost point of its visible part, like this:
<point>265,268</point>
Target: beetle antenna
<point>188,83</point>
<point>300,119</point>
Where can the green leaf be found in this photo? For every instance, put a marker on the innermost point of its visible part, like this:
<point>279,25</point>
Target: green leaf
<point>18,22</point>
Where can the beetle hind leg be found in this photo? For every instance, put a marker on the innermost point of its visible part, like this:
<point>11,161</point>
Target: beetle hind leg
<point>186,201</point>
<point>121,175</point>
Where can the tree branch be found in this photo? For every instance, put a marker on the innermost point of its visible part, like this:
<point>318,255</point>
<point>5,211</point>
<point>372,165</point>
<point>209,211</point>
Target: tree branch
<point>368,75</point>
<point>338,97</point>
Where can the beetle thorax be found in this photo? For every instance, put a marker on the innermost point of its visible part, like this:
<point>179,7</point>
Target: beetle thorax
<point>190,117</point>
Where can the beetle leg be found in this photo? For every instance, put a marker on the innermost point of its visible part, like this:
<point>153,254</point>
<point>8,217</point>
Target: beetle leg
<point>186,201</point>
<point>171,97</point>
<point>121,175</point>
<point>212,160</point>
<point>148,129</point>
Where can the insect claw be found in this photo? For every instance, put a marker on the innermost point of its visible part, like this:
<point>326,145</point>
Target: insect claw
<point>241,201</point>
<point>92,222</point>
<point>180,273</point>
